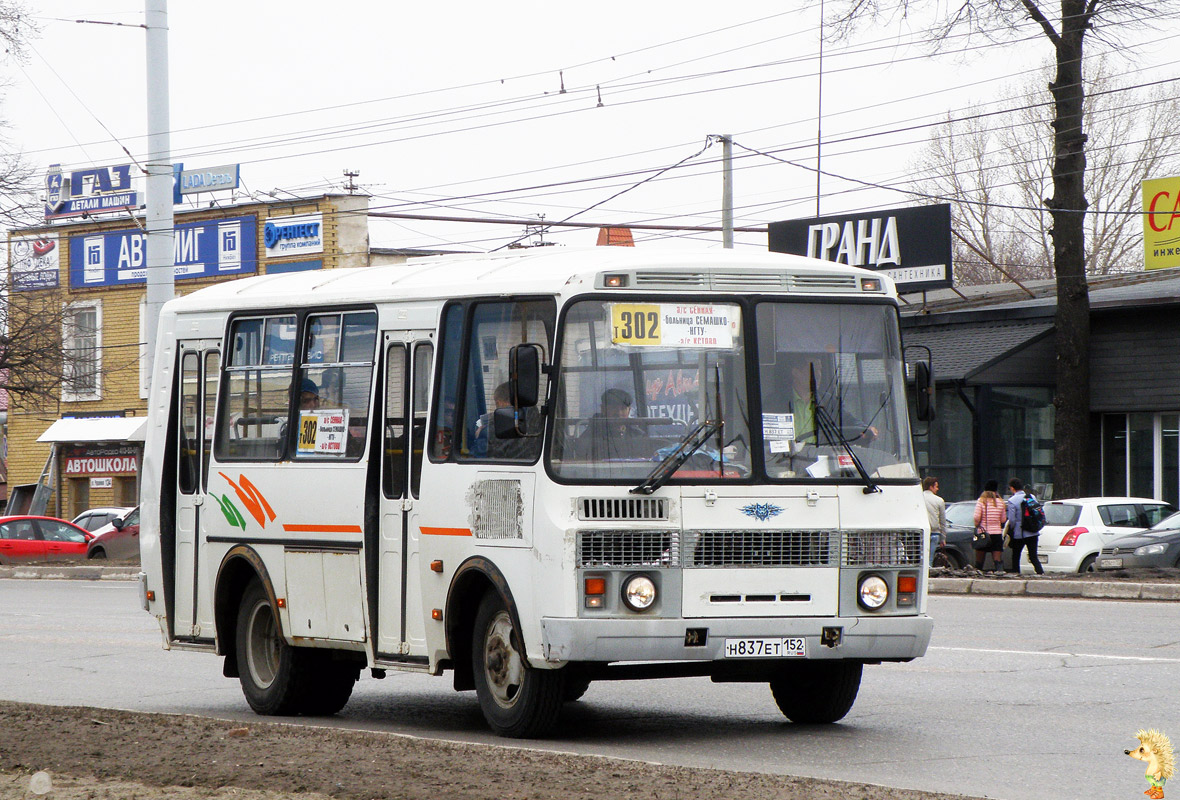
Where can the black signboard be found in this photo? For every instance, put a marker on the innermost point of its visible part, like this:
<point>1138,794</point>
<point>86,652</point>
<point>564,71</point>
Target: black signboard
<point>910,245</point>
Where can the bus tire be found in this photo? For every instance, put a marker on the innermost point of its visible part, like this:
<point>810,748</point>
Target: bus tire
<point>817,692</point>
<point>330,686</point>
<point>274,675</point>
<point>517,701</point>
<point>574,688</point>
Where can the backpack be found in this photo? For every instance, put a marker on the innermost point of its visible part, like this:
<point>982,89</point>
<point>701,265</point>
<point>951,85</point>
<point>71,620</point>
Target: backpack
<point>1032,514</point>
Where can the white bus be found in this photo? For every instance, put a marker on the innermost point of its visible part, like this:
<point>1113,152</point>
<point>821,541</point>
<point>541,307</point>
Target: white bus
<point>536,470</point>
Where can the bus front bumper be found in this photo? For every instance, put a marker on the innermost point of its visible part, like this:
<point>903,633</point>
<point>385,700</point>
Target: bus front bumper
<point>893,638</point>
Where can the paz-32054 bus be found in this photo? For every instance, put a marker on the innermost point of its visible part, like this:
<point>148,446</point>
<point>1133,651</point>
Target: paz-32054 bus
<point>537,470</point>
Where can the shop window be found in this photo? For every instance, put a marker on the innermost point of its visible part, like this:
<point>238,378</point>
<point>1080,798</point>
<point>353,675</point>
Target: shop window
<point>82,352</point>
<point>1141,454</point>
<point>79,489</point>
<point>1114,455</point>
<point>126,492</point>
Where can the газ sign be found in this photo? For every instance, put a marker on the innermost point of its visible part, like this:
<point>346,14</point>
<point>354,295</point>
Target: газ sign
<point>910,245</point>
<point>1161,223</point>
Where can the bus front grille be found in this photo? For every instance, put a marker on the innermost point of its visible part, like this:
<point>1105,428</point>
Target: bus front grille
<point>881,548</point>
<point>752,548</point>
<point>628,548</point>
<point>622,508</point>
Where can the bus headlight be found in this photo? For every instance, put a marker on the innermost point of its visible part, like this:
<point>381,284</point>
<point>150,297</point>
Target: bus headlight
<point>872,592</point>
<point>639,592</point>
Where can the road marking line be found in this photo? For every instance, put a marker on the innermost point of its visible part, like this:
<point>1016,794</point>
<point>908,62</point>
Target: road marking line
<point>1057,654</point>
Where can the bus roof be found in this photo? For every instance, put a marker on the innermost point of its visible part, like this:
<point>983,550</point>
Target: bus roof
<point>535,271</point>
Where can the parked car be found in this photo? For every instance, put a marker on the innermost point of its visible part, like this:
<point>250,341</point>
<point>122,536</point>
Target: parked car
<point>957,552</point>
<point>1076,530</point>
<point>119,539</point>
<point>94,518</point>
<point>1158,546</point>
<point>25,539</point>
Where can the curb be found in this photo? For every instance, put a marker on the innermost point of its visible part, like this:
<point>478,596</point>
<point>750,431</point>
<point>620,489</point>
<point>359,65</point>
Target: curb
<point>1047,587</point>
<point>72,573</point>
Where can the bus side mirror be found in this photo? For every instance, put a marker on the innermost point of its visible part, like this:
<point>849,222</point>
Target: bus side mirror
<point>924,387</point>
<point>524,374</point>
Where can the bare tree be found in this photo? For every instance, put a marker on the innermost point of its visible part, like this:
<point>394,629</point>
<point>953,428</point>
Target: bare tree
<point>1066,28</point>
<point>17,191</point>
<point>994,171</point>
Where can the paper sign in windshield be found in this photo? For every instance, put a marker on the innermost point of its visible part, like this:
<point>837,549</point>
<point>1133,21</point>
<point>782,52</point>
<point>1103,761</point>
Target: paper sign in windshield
<point>323,431</point>
<point>705,325</point>
<point>779,431</point>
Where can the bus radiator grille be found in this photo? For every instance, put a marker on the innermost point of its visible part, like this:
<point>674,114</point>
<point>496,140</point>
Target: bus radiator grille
<point>750,548</point>
<point>865,548</point>
<point>628,548</point>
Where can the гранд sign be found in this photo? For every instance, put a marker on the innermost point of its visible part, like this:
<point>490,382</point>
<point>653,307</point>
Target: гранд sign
<point>910,245</point>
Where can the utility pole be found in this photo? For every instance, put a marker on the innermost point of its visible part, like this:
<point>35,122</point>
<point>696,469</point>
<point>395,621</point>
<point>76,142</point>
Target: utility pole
<point>726,191</point>
<point>160,258</point>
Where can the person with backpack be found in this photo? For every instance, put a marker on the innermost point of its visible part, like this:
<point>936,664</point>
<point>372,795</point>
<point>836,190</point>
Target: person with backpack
<point>1025,519</point>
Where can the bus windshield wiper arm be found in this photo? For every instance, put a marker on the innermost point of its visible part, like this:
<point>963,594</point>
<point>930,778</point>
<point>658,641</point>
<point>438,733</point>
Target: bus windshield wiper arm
<point>831,430</point>
<point>688,445</point>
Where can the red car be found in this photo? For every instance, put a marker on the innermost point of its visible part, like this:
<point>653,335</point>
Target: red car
<point>28,539</point>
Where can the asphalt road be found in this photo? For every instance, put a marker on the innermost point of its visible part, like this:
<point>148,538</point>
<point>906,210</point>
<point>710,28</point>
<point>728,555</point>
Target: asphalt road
<point>1018,698</point>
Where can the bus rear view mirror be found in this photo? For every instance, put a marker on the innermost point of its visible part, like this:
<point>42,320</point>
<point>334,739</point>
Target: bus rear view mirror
<point>524,374</point>
<point>924,390</point>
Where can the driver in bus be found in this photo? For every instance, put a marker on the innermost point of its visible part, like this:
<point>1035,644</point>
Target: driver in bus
<point>309,395</point>
<point>801,402</point>
<point>610,436</point>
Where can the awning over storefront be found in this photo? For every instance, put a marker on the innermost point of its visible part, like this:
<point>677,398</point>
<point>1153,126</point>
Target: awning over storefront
<point>96,429</point>
<point>961,352</point>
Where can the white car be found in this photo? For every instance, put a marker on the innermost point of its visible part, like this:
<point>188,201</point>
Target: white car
<point>95,518</point>
<point>1076,530</point>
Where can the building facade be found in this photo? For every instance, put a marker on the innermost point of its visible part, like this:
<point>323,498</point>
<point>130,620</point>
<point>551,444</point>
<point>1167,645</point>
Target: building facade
<point>85,450</point>
<point>994,357</point>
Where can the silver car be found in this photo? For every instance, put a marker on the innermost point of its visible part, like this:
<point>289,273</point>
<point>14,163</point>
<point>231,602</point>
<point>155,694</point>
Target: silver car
<point>1158,546</point>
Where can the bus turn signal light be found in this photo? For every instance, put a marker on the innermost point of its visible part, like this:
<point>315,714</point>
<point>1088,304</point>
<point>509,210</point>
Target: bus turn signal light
<point>436,565</point>
<point>596,586</point>
<point>907,583</point>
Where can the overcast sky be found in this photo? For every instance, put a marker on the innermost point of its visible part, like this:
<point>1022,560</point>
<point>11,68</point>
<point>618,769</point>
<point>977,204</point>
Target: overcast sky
<point>457,109</point>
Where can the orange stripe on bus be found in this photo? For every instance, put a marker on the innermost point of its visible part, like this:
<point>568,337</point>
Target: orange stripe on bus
<point>322,528</point>
<point>446,531</point>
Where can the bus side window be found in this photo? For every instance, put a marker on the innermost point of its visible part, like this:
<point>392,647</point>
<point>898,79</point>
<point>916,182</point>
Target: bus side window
<point>334,384</point>
<point>423,357</point>
<point>495,328</point>
<point>258,379</point>
<point>393,480</point>
<point>448,383</point>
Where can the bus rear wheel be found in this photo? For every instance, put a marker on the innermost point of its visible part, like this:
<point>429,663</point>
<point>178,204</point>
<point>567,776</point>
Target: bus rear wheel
<point>330,687</point>
<point>817,692</point>
<point>517,701</point>
<point>273,674</point>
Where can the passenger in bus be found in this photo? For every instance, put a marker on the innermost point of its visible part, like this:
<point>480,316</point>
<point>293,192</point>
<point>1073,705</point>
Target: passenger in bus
<point>610,436</point>
<point>309,395</point>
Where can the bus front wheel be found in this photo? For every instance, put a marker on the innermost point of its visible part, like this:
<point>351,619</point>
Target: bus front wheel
<point>811,692</point>
<point>271,671</point>
<point>518,701</point>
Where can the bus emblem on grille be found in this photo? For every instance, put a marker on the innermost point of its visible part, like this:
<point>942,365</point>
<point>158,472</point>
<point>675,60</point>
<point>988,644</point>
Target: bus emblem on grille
<point>761,511</point>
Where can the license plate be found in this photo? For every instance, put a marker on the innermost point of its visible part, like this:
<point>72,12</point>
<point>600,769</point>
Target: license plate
<point>776,647</point>
<point>1110,563</point>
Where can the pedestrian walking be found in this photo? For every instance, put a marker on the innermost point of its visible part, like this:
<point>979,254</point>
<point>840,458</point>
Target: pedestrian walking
<point>1021,539</point>
<point>936,511</point>
<point>990,516</point>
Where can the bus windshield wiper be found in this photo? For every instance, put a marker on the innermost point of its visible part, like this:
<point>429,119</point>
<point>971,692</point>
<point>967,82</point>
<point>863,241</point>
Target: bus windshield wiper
<point>691,442</point>
<point>833,433</point>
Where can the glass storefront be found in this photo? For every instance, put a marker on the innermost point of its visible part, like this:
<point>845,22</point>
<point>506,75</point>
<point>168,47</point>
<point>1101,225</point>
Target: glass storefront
<point>1141,455</point>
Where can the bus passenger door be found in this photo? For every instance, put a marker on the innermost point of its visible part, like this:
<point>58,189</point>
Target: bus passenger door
<point>200,367</point>
<point>400,628</point>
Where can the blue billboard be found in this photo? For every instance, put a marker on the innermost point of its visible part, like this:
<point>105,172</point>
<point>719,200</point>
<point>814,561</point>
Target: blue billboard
<point>201,250</point>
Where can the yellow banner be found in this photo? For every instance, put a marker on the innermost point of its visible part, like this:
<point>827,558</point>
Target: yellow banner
<point>1161,223</point>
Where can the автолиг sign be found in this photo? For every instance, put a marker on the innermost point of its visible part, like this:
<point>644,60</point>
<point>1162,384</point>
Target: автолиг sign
<point>202,250</point>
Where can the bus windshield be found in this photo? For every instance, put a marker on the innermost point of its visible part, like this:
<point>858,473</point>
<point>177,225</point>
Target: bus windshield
<point>638,377</point>
<point>832,387</point>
